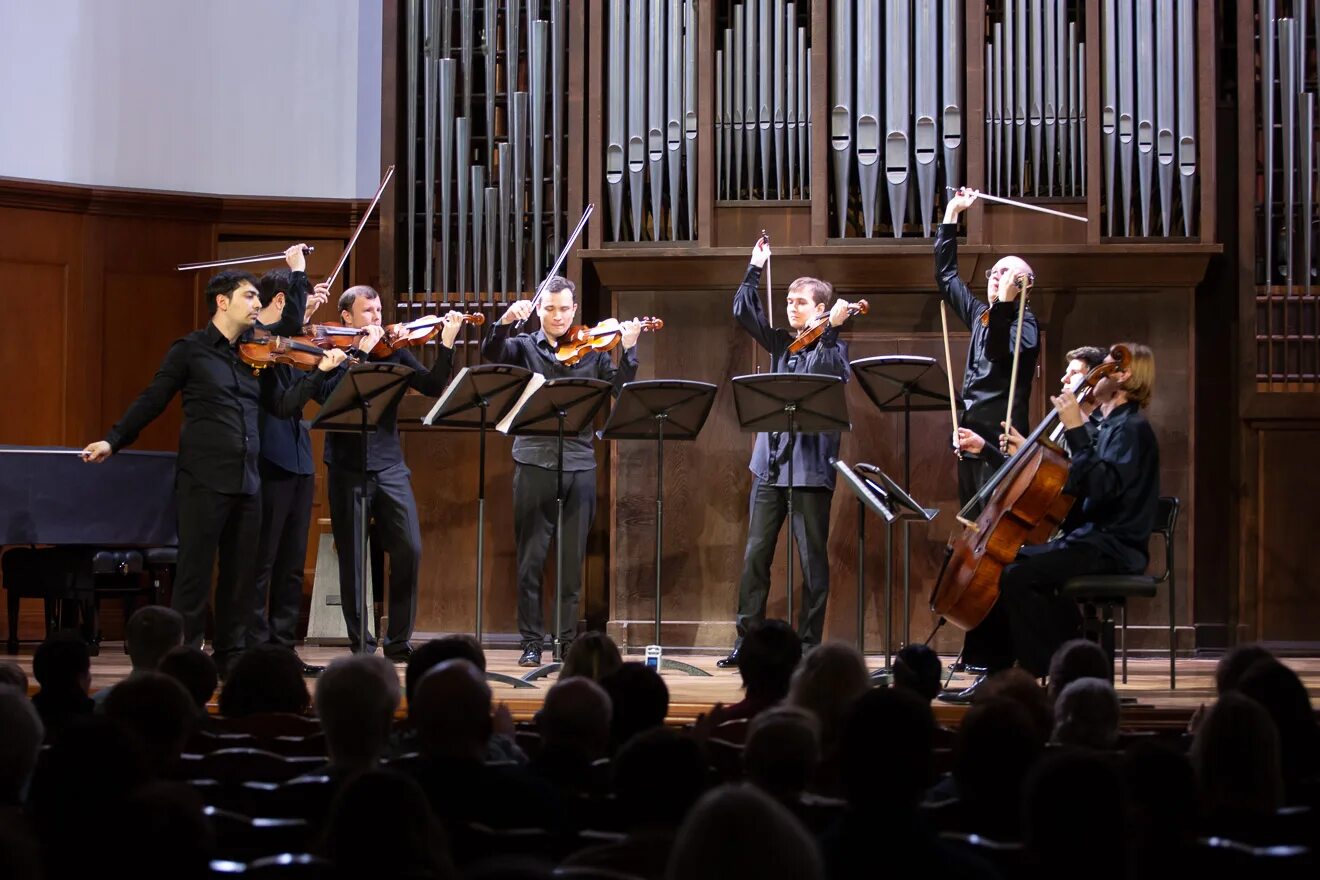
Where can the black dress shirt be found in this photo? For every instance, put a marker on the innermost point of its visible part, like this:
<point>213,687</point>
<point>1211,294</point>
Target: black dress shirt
<point>828,355</point>
<point>534,352</point>
<point>1115,477</point>
<point>343,449</point>
<point>218,441</point>
<point>286,442</point>
<point>990,355</point>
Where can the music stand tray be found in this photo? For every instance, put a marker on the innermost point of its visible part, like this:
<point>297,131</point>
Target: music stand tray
<point>808,403</point>
<point>362,397</point>
<point>477,398</point>
<point>558,407</point>
<point>660,410</point>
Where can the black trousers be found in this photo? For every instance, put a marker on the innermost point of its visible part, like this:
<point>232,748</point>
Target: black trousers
<point>534,513</point>
<point>215,524</point>
<point>811,531</point>
<point>1030,621</point>
<point>286,513</point>
<point>973,473</point>
<point>391,504</point>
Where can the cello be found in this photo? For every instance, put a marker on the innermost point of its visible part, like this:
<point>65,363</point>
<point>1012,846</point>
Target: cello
<point>1024,498</point>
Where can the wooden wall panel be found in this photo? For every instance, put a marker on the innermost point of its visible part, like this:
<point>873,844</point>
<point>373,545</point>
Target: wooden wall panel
<point>1279,600</point>
<point>34,296</point>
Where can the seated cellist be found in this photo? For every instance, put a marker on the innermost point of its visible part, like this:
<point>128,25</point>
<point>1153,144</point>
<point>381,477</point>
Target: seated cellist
<point>1114,477</point>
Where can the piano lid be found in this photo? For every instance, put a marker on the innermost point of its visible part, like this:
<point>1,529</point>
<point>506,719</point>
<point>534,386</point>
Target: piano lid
<point>49,495</point>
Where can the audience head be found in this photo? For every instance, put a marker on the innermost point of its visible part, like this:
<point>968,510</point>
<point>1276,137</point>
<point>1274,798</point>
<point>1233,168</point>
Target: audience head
<point>593,655</point>
<point>1235,663</point>
<point>1086,714</point>
<point>769,653</point>
<point>1078,658</point>
<point>158,711</point>
<point>826,682</point>
<point>152,632</point>
<point>452,647</point>
<point>62,665</point>
<point>918,668</point>
<point>20,745</point>
<point>1161,787</point>
<point>384,811</point>
<point>1235,753</point>
<point>739,831</point>
<point>195,670</point>
<point>640,700</point>
<point>451,711</point>
<point>13,674</point>
<point>782,750</point>
<point>181,841</point>
<point>356,698</point>
<point>1021,687</point>
<point>887,744</point>
<point>997,746</point>
<point>1281,693</point>
<point>1073,800</point>
<point>575,719</point>
<point>658,776</point>
<point>266,678</point>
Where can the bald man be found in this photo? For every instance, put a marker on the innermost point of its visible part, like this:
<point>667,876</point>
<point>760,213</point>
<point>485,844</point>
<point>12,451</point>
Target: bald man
<point>994,333</point>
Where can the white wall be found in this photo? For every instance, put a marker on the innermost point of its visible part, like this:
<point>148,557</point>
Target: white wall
<point>237,97</point>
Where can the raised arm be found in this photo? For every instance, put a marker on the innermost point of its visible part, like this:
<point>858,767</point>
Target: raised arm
<point>951,286</point>
<point>295,298</point>
<point>747,308</point>
<point>499,346</point>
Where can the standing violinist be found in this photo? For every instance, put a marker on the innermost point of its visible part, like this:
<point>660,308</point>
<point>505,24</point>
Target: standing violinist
<point>287,481</point>
<point>1114,477</point>
<point>385,481</point>
<point>217,483</point>
<point>809,300</point>
<point>994,329</point>
<point>535,482</point>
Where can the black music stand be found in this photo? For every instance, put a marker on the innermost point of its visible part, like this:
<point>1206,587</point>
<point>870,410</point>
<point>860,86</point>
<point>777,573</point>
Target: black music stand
<point>808,403</point>
<point>642,412</point>
<point>557,407</point>
<point>907,382</point>
<point>358,403</point>
<point>906,509</point>
<point>869,497</point>
<point>478,397</point>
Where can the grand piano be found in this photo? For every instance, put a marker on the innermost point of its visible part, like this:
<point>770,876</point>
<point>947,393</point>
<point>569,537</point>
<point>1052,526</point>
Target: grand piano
<point>73,531</point>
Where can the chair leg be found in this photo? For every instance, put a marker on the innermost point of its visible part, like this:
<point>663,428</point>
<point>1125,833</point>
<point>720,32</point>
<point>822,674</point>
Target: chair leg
<point>1122,612</point>
<point>11,644</point>
<point>1107,632</point>
<point>1173,639</point>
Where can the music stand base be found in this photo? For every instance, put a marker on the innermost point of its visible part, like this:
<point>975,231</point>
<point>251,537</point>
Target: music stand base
<point>680,666</point>
<point>543,671</point>
<point>511,680</point>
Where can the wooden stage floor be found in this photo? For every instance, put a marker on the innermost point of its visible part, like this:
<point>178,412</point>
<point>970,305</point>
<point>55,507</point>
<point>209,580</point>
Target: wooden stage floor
<point>1148,701</point>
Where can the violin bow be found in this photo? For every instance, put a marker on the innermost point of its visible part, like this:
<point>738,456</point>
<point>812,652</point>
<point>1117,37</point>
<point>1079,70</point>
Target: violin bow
<point>362,224</point>
<point>948,368</point>
<point>559,260</point>
<point>1021,281</point>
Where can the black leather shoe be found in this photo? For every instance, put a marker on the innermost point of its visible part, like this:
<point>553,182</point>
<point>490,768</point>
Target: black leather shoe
<point>399,653</point>
<point>729,662</point>
<point>531,656</point>
<point>964,696</point>
<point>311,670</point>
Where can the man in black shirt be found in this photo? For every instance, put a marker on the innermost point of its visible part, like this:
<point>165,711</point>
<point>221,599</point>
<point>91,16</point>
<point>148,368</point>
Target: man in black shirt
<point>287,484</point>
<point>386,482</point>
<point>994,334</point>
<point>535,480</point>
<point>218,482</point>
<point>1114,475</point>
<point>813,475</point>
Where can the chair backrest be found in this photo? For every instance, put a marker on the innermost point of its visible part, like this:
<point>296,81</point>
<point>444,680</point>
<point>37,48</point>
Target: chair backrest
<point>1166,522</point>
<point>236,766</point>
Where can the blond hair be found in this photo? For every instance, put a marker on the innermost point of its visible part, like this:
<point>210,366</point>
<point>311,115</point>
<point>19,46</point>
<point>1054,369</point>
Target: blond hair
<point>1140,383</point>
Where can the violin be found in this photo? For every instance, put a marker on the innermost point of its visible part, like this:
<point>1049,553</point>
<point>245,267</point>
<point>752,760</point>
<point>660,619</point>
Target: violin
<point>1023,500</point>
<point>580,341</point>
<point>263,349</point>
<point>813,331</point>
<point>422,330</point>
